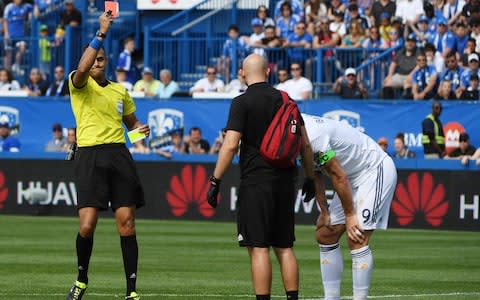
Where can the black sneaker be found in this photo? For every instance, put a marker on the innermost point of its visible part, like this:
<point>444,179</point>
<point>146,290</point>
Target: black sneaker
<point>77,290</point>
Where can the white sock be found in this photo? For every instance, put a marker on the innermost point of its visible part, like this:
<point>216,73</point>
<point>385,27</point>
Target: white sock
<point>331,266</point>
<point>362,266</point>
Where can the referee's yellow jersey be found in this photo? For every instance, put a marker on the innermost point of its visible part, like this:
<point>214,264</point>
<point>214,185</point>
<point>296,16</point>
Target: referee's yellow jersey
<point>99,111</point>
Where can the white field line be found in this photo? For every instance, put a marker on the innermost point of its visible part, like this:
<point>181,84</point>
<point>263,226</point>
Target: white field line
<point>203,296</point>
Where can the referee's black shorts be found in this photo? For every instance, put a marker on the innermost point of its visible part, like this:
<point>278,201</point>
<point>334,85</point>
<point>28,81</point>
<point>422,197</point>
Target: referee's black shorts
<point>265,216</point>
<point>106,174</point>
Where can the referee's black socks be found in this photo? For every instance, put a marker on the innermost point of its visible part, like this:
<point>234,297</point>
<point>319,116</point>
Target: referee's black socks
<point>130,260</point>
<point>84,251</point>
<point>292,295</point>
<point>263,297</point>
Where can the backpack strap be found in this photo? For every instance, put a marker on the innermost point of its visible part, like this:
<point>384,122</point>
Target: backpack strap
<point>285,96</point>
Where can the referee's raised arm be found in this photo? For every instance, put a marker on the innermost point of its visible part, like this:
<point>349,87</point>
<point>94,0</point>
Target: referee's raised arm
<point>80,77</point>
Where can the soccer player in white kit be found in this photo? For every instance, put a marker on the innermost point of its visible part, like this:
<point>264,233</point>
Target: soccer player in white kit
<point>364,179</point>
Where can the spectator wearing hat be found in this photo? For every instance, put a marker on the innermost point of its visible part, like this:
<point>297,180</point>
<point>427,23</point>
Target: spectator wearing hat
<point>167,86</point>
<point>424,79</point>
<point>147,84</point>
<point>383,6</point>
<point>71,16</point>
<point>471,93</point>
<point>384,26</point>
<point>421,32</point>
<point>57,143</point>
<point>256,36</point>
<point>208,84</point>
<point>44,46</point>
<point>348,86</point>
<point>59,86</point>
<point>121,77</point>
<point>464,151</point>
<point>125,61</point>
<point>409,10</point>
<point>8,143</point>
<point>354,14</point>
<point>443,39</point>
<point>473,68</point>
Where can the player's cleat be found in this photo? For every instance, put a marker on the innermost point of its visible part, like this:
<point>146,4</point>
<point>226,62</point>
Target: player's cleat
<point>77,290</point>
<point>133,296</point>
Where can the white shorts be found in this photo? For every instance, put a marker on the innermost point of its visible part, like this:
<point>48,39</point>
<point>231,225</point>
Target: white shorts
<point>371,199</point>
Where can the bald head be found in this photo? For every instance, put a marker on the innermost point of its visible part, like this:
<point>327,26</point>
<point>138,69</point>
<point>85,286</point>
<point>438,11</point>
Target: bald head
<point>255,69</point>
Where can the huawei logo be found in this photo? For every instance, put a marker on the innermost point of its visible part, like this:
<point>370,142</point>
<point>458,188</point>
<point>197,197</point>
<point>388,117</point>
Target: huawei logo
<point>420,201</point>
<point>189,191</point>
<point>3,190</point>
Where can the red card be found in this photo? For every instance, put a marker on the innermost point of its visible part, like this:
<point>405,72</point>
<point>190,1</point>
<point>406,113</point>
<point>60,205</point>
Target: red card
<point>113,7</point>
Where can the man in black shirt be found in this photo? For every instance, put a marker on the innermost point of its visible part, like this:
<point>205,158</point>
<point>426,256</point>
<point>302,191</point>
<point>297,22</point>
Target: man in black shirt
<point>71,16</point>
<point>267,194</point>
<point>433,138</point>
<point>464,151</point>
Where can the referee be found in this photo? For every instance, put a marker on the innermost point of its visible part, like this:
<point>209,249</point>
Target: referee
<point>265,216</point>
<point>105,173</point>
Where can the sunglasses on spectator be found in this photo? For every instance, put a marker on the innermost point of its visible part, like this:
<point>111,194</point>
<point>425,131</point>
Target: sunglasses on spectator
<point>393,32</point>
<point>211,73</point>
<point>421,59</point>
<point>295,69</point>
<point>350,75</point>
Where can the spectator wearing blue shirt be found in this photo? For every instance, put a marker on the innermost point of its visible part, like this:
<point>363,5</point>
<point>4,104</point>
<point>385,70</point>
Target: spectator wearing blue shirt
<point>295,7</point>
<point>467,74</point>
<point>15,17</point>
<point>424,79</point>
<point>297,42</point>
<point>461,38</point>
<point>286,22</point>
<point>443,39</point>
<point>421,32</point>
<point>453,71</point>
<point>167,86</point>
<point>469,49</point>
<point>125,59</point>
<point>233,41</point>
<point>8,143</point>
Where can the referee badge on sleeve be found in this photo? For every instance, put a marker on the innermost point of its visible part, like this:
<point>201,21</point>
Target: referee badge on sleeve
<point>120,107</point>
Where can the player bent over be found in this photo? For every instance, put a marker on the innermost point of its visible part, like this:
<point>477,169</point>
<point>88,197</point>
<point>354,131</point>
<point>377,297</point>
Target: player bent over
<point>364,179</point>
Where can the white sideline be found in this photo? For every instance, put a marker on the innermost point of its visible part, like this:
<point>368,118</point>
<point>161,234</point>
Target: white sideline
<point>244,296</point>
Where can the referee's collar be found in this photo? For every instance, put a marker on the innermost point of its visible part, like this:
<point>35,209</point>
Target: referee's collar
<point>258,84</point>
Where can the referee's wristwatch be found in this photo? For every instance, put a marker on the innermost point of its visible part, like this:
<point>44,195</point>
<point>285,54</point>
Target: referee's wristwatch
<point>101,34</point>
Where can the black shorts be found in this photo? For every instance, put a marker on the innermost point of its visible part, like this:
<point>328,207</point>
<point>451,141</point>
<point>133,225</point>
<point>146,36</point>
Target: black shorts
<point>106,175</point>
<point>265,216</point>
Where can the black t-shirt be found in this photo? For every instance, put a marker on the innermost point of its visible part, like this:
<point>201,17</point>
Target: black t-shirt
<point>76,15</point>
<point>203,145</point>
<point>251,114</point>
<point>470,95</point>
<point>428,128</point>
<point>458,152</point>
<point>378,9</point>
<point>347,92</point>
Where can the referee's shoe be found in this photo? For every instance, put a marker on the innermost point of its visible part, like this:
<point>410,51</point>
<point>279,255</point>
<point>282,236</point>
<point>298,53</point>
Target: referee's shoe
<point>133,296</point>
<point>76,291</point>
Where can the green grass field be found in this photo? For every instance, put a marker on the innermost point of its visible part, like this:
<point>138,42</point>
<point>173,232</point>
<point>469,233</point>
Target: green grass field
<point>201,260</point>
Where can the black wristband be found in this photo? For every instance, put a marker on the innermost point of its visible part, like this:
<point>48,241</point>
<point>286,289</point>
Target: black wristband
<point>214,179</point>
<point>101,34</point>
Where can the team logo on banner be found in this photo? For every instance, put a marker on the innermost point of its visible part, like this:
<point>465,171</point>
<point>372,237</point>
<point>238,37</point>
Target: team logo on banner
<point>12,116</point>
<point>345,116</point>
<point>189,190</point>
<point>420,200</point>
<point>3,190</point>
<point>452,131</point>
<point>163,122</point>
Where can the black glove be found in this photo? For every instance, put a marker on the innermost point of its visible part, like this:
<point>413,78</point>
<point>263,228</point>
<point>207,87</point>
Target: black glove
<point>212,195</point>
<point>308,189</point>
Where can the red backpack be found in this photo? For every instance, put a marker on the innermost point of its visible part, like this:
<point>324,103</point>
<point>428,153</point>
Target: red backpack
<point>282,140</point>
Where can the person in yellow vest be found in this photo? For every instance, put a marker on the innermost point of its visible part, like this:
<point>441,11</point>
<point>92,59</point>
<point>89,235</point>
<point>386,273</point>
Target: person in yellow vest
<point>105,173</point>
<point>433,138</point>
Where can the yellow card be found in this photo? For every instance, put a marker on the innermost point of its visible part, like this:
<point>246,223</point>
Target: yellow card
<point>135,135</point>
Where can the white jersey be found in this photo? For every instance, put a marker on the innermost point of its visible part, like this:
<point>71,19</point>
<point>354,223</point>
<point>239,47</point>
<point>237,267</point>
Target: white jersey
<point>357,153</point>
